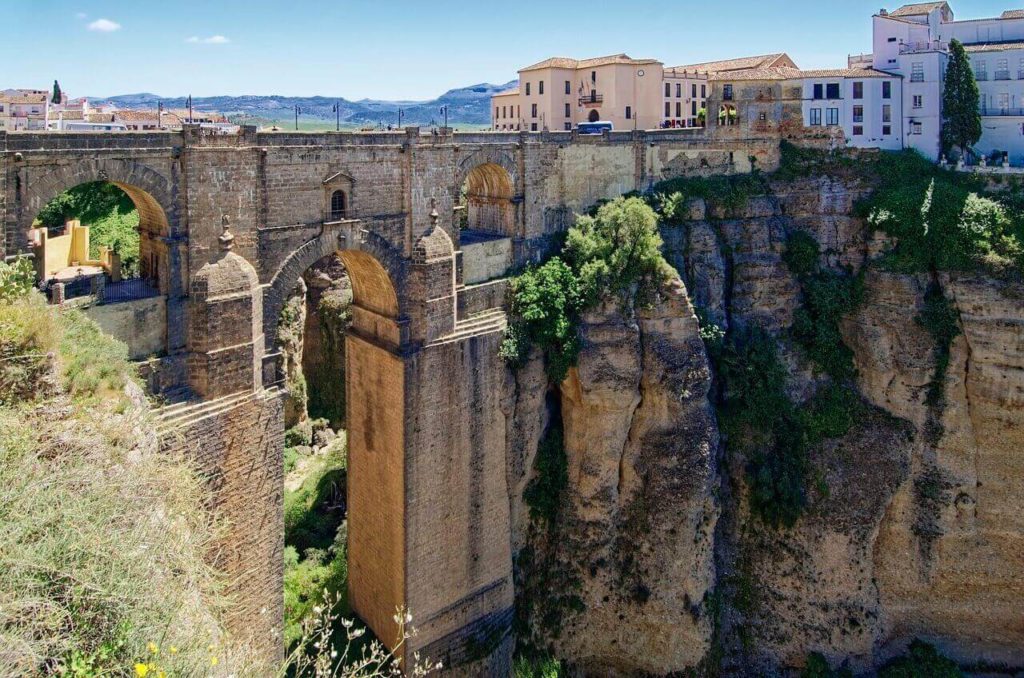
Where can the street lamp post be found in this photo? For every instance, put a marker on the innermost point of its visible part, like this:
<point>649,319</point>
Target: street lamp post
<point>400,114</point>
<point>297,111</point>
<point>337,115</point>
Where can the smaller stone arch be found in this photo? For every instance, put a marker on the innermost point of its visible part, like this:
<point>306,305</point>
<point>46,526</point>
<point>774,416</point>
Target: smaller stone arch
<point>488,195</point>
<point>377,271</point>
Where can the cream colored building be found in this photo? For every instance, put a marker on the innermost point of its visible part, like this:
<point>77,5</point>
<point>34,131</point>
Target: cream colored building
<point>560,93</point>
<point>24,110</point>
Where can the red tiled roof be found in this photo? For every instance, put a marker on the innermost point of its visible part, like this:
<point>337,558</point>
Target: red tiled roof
<point>995,46</point>
<point>574,64</point>
<point>917,9</point>
<point>780,59</point>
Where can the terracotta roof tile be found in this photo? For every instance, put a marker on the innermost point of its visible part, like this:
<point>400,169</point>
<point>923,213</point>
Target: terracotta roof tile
<point>847,73</point>
<point>995,46</point>
<point>1012,14</point>
<point>780,59</point>
<point>917,9</point>
<point>575,64</point>
<point>134,116</point>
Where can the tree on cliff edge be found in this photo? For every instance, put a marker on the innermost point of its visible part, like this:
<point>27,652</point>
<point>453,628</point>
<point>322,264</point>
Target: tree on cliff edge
<point>961,118</point>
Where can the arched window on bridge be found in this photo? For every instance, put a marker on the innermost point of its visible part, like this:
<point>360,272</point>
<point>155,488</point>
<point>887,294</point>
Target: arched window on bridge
<point>339,205</point>
<point>594,116</point>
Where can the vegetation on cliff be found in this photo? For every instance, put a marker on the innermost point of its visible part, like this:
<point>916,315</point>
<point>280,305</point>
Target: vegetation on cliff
<point>102,552</point>
<point>614,254</point>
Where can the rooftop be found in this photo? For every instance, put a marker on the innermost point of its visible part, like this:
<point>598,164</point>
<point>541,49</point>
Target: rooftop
<point>575,64</point>
<point>780,59</point>
<point>994,46</point>
<point>918,9</point>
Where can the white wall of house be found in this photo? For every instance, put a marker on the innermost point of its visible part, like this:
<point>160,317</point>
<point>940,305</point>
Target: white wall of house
<point>870,120</point>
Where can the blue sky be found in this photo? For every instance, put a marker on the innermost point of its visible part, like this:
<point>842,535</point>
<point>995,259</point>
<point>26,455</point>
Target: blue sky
<point>398,50</point>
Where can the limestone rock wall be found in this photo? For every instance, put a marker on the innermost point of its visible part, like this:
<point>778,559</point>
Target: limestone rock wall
<point>914,527</point>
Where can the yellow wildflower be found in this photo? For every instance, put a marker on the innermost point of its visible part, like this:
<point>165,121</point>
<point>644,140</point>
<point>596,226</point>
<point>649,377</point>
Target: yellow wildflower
<point>174,650</point>
<point>153,648</point>
<point>141,670</point>
<point>213,661</point>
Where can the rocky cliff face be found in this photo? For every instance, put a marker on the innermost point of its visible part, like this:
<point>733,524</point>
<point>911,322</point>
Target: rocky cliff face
<point>914,527</point>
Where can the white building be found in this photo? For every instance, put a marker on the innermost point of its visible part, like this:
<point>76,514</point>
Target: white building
<point>864,102</point>
<point>913,41</point>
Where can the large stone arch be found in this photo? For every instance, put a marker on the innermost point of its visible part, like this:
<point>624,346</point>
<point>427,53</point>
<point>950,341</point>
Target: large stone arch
<point>490,156</point>
<point>152,193</point>
<point>377,270</point>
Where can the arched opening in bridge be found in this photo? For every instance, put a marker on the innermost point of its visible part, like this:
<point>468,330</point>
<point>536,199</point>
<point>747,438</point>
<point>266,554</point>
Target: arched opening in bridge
<point>338,335</point>
<point>102,245</point>
<point>487,216</point>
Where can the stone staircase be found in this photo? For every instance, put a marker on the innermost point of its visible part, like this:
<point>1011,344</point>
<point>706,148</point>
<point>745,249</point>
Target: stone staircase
<point>478,324</point>
<point>172,416</point>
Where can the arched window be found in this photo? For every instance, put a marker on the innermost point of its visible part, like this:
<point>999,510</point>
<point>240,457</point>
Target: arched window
<point>594,116</point>
<point>338,205</point>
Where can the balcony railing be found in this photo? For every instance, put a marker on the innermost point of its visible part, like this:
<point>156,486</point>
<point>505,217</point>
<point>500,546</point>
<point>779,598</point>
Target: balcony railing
<point>1002,75</point>
<point>1020,74</point>
<point>1002,112</point>
<point>591,99</point>
<point>980,77</point>
<point>917,77</point>
<point>928,46</point>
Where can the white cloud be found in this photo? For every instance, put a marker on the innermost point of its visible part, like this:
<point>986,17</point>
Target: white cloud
<point>104,26</point>
<point>212,40</point>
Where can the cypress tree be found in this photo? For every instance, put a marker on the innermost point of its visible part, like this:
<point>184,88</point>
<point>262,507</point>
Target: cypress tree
<point>961,119</point>
<point>57,94</point>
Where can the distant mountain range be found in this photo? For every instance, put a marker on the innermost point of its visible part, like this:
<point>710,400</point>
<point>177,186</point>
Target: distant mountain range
<point>468,105</point>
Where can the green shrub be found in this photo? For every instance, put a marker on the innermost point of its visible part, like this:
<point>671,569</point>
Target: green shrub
<point>16,279</point>
<point>828,297</point>
<point>830,414</point>
<point>543,666</point>
<point>546,304</point>
<point>618,253</point>
<point>921,661</point>
<point>817,667</point>
<point>615,253</point>
<point>730,192</point>
<point>941,320</point>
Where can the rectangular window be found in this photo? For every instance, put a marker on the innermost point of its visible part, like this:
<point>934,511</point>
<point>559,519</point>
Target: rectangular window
<point>693,108</point>
<point>1002,69</point>
<point>679,109</point>
<point>533,127</point>
<point>568,87</point>
<point>858,130</point>
<point>496,116</point>
<point>568,127</point>
<point>727,92</point>
<point>917,71</point>
<point>593,76</point>
<point>1003,102</point>
<point>819,91</point>
<point>916,128</point>
<point>668,89</point>
<point>887,90</point>
<point>886,130</point>
<point>831,117</point>
<point>981,70</point>
<point>668,109</point>
<point>918,101</point>
<point>527,89</point>
<point>892,39</point>
<point>886,113</point>
<point>568,111</point>
<point>693,88</point>
<point>815,119</point>
<point>533,110</point>
<point>858,114</point>
<point>832,91</point>
<point>703,91</point>
<point>858,90</point>
<point>540,87</point>
<point>679,90</point>
<point>629,112</point>
<point>1020,70</point>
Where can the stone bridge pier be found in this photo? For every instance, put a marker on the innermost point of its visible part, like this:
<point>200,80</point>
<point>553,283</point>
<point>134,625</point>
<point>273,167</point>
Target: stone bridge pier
<point>230,223</point>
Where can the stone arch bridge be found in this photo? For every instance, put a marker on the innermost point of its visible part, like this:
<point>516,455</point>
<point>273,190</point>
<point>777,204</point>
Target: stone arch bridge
<point>230,223</point>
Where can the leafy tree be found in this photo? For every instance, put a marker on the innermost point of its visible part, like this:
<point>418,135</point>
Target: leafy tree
<point>58,96</point>
<point>961,119</point>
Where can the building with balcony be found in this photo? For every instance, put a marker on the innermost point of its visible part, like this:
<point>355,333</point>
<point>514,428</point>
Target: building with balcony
<point>913,42</point>
<point>559,93</point>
